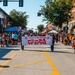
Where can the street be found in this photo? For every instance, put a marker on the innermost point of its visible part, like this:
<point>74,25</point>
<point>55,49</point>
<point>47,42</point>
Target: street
<point>37,60</point>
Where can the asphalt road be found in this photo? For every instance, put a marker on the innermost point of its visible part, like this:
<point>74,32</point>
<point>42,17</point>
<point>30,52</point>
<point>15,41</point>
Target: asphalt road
<point>37,60</point>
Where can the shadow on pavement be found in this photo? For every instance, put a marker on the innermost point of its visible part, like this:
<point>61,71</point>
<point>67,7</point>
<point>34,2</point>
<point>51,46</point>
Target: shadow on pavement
<point>5,66</point>
<point>5,59</point>
<point>63,52</point>
<point>49,51</point>
<point>14,49</point>
<point>4,51</point>
<point>62,48</point>
<point>37,50</point>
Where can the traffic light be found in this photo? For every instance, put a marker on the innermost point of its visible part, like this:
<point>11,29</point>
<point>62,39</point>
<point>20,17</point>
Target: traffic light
<point>20,3</point>
<point>38,14</point>
<point>5,2</point>
<point>0,0</point>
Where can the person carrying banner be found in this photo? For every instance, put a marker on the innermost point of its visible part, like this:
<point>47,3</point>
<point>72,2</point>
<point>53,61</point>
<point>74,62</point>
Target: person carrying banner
<point>53,41</point>
<point>24,41</point>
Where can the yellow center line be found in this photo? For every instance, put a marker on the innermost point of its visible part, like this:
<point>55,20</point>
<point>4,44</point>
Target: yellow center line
<point>56,72</point>
<point>7,61</point>
<point>30,63</point>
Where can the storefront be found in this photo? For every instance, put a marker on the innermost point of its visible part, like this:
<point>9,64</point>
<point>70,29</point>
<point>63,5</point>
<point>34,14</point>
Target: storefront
<point>71,26</point>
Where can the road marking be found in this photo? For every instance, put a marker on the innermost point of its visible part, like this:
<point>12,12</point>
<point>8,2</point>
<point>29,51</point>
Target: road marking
<point>30,63</point>
<point>7,61</point>
<point>26,64</point>
<point>56,72</point>
<point>29,55</point>
<point>52,74</point>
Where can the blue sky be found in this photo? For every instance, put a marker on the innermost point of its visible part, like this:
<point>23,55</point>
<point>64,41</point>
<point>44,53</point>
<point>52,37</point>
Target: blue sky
<point>31,7</point>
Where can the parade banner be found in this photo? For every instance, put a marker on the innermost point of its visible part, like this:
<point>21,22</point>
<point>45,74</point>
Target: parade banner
<point>38,40</point>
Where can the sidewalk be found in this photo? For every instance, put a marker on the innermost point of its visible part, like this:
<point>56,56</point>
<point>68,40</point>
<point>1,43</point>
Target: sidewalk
<point>61,47</point>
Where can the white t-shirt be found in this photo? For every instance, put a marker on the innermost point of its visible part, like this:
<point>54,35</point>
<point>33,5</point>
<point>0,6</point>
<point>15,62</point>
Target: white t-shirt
<point>13,35</point>
<point>49,39</point>
<point>24,40</point>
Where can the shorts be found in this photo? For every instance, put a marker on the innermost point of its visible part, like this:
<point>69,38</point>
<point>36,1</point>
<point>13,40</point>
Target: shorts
<point>15,39</point>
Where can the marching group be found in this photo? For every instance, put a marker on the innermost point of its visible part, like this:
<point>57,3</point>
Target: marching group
<point>9,39</point>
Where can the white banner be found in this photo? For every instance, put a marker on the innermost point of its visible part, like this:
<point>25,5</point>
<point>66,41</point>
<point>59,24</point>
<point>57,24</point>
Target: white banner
<point>37,40</point>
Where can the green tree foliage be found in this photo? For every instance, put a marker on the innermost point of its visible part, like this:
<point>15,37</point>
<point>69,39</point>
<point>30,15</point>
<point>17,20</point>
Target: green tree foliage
<point>19,18</point>
<point>30,31</point>
<point>61,8</point>
<point>40,28</point>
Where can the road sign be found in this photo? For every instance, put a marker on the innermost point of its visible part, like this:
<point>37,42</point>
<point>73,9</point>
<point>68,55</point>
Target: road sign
<point>56,14</point>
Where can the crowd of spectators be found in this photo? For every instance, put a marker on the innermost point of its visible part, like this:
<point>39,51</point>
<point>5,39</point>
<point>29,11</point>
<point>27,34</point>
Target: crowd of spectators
<point>67,39</point>
<point>8,39</point>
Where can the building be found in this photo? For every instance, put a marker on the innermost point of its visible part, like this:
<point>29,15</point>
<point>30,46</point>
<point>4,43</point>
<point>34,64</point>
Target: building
<point>4,19</point>
<point>71,24</point>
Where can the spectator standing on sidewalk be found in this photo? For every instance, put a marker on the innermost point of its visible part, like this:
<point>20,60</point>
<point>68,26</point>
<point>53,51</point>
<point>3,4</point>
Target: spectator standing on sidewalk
<point>7,40</point>
<point>3,40</point>
<point>0,40</point>
<point>56,38</point>
<point>73,43</point>
<point>13,38</point>
<point>16,38</point>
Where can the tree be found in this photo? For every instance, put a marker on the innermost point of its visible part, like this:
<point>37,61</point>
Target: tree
<point>19,18</point>
<point>40,28</point>
<point>57,12</point>
<point>30,31</point>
